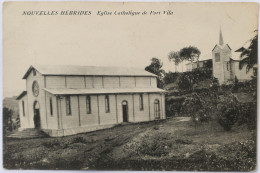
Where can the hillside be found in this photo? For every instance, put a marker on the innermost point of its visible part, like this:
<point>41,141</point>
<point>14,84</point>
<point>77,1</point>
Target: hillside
<point>172,144</point>
<point>12,103</point>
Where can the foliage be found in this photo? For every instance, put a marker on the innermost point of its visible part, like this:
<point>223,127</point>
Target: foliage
<point>190,53</point>
<point>250,54</point>
<point>7,119</point>
<point>175,57</point>
<point>170,77</point>
<point>200,106</point>
<point>173,106</point>
<point>156,68</point>
<point>184,82</point>
<point>188,79</point>
<point>231,112</point>
<point>235,85</point>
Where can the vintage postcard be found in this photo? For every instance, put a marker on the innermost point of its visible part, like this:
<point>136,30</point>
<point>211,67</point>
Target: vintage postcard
<point>165,86</point>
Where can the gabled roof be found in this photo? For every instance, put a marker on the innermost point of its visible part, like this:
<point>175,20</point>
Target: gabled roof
<point>241,49</point>
<point>87,71</point>
<point>221,46</point>
<point>75,91</point>
<point>21,95</point>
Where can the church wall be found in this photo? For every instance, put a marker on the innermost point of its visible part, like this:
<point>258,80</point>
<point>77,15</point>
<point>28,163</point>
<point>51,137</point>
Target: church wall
<point>111,82</point>
<point>89,80</point>
<point>24,118</point>
<point>72,120</point>
<point>143,82</point>
<point>107,117</point>
<point>85,118</point>
<point>127,82</point>
<point>75,82</point>
<point>153,82</point>
<point>52,120</point>
<point>99,82</point>
<point>129,99</point>
<point>220,70</point>
<point>153,97</point>
<point>40,98</point>
<point>226,54</point>
<point>141,115</point>
<point>55,81</point>
<point>217,66</point>
<point>242,75</point>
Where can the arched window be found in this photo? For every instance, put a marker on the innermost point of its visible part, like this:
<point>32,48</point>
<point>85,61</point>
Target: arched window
<point>68,108</point>
<point>51,110</point>
<point>157,109</point>
<point>107,104</point>
<point>141,102</point>
<point>88,104</point>
<point>23,108</point>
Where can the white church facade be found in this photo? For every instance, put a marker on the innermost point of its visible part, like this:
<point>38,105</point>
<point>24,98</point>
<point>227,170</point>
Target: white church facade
<point>66,100</point>
<point>225,64</point>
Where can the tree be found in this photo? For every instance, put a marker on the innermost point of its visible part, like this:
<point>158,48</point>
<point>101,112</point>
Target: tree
<point>190,53</point>
<point>156,68</point>
<point>175,57</point>
<point>250,55</point>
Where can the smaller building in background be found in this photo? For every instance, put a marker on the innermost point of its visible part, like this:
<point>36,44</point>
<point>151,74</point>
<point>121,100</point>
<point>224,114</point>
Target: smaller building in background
<point>199,65</point>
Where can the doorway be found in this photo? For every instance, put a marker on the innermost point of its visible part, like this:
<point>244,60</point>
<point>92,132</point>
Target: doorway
<point>125,111</point>
<point>157,109</point>
<point>36,117</point>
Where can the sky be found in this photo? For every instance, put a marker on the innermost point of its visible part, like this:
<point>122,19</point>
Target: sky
<point>126,41</point>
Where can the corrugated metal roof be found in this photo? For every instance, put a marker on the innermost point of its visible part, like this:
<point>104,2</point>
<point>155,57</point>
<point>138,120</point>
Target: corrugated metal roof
<point>87,70</point>
<point>74,91</point>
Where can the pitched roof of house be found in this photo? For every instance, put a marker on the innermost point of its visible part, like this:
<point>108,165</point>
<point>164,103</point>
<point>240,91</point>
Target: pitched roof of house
<point>86,71</point>
<point>221,46</point>
<point>21,95</point>
<point>76,91</point>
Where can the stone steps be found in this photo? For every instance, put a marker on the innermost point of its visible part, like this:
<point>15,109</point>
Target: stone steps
<point>28,133</point>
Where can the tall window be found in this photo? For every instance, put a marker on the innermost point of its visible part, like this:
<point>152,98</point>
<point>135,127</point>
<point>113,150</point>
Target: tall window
<point>107,104</point>
<point>23,108</point>
<point>51,110</point>
<point>157,109</point>
<point>141,102</point>
<point>217,57</point>
<point>88,104</point>
<point>68,108</point>
<point>227,66</point>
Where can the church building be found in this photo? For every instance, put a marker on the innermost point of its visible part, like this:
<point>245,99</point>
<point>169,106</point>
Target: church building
<point>66,100</point>
<point>226,63</point>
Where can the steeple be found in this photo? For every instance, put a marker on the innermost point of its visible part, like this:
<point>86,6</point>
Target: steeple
<point>221,42</point>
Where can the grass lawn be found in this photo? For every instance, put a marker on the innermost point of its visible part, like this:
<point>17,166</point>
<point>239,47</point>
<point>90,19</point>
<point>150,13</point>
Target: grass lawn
<point>172,144</point>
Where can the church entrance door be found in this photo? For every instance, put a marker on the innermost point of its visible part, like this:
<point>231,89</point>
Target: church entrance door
<point>36,117</point>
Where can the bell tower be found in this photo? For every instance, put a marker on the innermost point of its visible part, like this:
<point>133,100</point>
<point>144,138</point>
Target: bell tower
<point>221,54</point>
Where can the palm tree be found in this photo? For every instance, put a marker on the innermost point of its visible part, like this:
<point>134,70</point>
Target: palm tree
<point>250,54</point>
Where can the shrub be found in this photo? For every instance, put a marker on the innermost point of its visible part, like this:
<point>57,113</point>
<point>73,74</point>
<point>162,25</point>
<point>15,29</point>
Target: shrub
<point>227,118</point>
<point>78,139</point>
<point>51,144</point>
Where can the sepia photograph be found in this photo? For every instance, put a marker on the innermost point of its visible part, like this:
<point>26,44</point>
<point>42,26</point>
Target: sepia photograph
<point>129,86</point>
